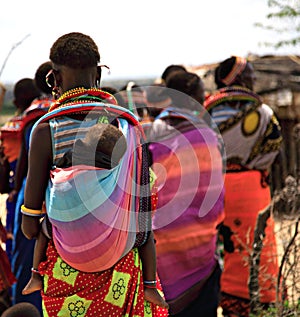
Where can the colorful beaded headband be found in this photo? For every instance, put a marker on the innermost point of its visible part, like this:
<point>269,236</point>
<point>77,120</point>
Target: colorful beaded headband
<point>237,69</point>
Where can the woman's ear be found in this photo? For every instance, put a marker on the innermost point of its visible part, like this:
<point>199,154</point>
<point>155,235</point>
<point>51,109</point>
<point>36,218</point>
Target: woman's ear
<point>57,79</point>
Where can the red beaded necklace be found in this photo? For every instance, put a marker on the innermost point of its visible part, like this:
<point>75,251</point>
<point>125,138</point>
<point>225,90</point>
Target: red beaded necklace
<point>81,95</point>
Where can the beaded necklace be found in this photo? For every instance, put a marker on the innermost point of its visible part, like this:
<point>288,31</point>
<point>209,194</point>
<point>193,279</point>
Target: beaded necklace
<point>233,93</point>
<point>230,94</point>
<point>80,95</point>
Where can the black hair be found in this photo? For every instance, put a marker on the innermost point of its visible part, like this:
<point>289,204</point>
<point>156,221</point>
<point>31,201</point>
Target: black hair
<point>108,139</point>
<point>223,70</point>
<point>25,91</point>
<point>40,77</point>
<point>157,94</point>
<point>75,50</point>
<point>170,69</point>
<point>184,81</point>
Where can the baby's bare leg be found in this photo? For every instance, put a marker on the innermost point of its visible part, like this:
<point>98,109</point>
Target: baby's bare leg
<point>36,283</point>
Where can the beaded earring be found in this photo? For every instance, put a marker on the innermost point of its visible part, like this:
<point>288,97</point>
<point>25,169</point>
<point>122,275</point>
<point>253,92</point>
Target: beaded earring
<point>55,92</point>
<point>51,82</point>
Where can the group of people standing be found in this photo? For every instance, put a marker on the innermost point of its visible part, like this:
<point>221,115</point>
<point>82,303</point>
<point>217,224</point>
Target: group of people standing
<point>32,99</point>
<point>133,222</point>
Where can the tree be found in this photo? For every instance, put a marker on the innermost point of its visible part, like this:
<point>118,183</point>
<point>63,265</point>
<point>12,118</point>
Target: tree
<point>286,14</point>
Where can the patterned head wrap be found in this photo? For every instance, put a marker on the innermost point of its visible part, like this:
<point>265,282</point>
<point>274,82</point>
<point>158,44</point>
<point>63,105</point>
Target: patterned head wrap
<point>237,69</point>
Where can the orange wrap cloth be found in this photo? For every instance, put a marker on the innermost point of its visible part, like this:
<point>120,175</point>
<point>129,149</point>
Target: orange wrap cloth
<point>241,210</point>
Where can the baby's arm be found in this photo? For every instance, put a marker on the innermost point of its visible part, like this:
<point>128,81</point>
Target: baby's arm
<point>40,248</point>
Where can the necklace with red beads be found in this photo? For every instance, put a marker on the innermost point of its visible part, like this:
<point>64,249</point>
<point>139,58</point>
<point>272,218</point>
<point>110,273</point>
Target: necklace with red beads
<point>81,95</point>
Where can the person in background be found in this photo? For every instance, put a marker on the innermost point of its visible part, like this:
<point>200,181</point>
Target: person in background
<point>83,273</point>
<point>169,70</point>
<point>7,277</point>
<point>38,107</point>
<point>252,140</point>
<point>157,100</point>
<point>11,134</point>
<point>188,167</point>
<point>22,248</point>
<point>132,97</point>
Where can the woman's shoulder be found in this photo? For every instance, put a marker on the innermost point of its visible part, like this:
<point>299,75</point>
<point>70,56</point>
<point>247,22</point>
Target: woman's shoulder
<point>41,136</point>
<point>41,128</point>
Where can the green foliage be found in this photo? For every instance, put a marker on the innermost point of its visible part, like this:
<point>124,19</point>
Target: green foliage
<point>287,310</point>
<point>286,15</point>
<point>288,10</point>
<point>8,109</point>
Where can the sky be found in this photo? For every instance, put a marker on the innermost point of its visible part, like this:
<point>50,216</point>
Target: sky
<point>136,39</point>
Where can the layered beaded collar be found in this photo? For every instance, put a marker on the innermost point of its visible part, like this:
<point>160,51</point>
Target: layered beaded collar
<point>81,95</point>
<point>232,93</point>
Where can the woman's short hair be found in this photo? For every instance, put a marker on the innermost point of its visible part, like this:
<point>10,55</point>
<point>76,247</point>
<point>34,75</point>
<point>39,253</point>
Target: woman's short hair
<point>75,50</point>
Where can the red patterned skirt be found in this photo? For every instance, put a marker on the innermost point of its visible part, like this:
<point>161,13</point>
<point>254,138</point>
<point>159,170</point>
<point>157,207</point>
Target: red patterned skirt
<point>115,292</point>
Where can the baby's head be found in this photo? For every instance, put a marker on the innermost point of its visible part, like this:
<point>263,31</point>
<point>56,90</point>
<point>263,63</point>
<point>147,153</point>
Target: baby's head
<point>107,142</point>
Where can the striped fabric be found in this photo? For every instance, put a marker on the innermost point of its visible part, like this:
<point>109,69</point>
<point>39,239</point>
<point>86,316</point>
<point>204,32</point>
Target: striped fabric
<point>188,166</point>
<point>93,211</point>
<point>64,131</point>
<point>223,113</point>
<point>249,128</point>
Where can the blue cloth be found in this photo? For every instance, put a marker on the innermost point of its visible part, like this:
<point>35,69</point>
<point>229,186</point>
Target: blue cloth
<point>10,212</point>
<point>22,254</point>
<point>22,257</point>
